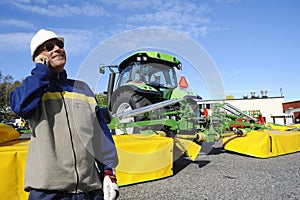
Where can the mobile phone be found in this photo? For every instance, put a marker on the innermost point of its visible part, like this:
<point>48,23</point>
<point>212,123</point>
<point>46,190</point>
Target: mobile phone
<point>46,62</point>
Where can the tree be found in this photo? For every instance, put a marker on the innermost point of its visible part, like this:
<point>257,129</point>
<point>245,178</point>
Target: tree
<point>101,99</point>
<point>1,77</point>
<point>7,85</point>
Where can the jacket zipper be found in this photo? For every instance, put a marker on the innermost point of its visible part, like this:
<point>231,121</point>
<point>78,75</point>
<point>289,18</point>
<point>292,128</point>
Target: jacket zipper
<point>71,137</point>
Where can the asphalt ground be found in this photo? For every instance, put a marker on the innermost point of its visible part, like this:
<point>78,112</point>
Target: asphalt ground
<point>224,175</point>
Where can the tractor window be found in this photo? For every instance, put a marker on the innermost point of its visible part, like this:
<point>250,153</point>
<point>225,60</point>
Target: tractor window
<point>124,76</point>
<point>150,73</point>
<point>163,75</point>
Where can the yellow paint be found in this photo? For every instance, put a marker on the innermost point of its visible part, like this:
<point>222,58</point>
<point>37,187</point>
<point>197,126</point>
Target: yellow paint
<point>264,143</point>
<point>192,149</point>
<point>12,159</point>
<point>143,158</point>
<point>8,133</point>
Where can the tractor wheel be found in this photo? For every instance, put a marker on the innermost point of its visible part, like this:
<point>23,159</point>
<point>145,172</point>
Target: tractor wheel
<point>126,101</point>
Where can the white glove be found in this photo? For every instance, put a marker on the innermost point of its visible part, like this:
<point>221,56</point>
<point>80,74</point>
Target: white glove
<point>110,189</point>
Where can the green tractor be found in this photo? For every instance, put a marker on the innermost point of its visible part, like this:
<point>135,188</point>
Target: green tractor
<point>148,98</point>
<point>145,79</point>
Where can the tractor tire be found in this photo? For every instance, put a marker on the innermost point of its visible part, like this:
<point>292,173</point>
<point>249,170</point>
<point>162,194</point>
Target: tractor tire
<point>126,101</point>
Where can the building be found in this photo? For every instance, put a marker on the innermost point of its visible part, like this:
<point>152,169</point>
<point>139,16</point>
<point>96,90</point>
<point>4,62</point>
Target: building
<point>292,108</point>
<point>268,107</point>
<point>273,109</point>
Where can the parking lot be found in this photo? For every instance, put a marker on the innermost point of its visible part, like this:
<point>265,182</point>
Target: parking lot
<point>224,175</point>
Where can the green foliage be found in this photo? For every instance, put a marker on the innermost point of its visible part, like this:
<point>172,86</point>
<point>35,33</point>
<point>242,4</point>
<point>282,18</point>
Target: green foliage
<point>101,99</point>
<point>7,85</point>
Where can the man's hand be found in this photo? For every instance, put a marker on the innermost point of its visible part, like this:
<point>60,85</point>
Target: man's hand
<point>41,59</point>
<point>110,186</point>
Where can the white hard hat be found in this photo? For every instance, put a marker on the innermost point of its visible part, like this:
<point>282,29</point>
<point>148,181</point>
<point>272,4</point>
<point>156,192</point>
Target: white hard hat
<point>40,37</point>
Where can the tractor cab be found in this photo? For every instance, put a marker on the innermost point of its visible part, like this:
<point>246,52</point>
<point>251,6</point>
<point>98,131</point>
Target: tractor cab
<point>153,75</point>
<point>156,77</point>
<point>145,78</point>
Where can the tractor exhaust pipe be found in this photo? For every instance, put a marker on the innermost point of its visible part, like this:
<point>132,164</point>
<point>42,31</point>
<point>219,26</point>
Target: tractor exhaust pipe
<point>110,87</point>
<point>111,80</point>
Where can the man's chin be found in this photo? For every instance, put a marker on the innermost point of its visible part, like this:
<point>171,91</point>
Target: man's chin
<point>59,62</point>
<point>59,66</point>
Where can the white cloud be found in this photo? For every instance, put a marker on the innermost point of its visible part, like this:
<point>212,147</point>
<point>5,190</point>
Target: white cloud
<point>77,41</point>
<point>61,9</point>
<point>188,17</point>
<point>16,23</point>
<point>11,42</point>
<point>183,16</point>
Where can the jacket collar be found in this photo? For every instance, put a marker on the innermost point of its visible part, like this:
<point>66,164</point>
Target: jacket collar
<point>58,76</point>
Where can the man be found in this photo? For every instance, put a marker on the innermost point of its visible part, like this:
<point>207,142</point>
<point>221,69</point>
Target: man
<point>70,142</point>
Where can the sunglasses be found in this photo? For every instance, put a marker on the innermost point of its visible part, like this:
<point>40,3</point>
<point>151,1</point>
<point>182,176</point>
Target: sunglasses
<point>50,46</point>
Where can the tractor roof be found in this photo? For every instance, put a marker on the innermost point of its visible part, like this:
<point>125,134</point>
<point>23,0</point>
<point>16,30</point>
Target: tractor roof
<point>151,57</point>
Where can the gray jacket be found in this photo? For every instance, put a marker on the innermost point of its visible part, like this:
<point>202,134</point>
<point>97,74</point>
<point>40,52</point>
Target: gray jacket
<point>67,135</point>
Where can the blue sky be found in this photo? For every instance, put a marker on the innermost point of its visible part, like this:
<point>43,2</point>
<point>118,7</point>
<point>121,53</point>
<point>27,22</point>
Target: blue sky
<point>254,44</point>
